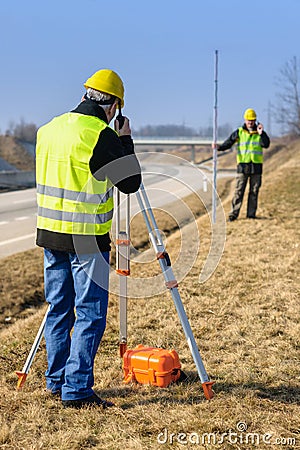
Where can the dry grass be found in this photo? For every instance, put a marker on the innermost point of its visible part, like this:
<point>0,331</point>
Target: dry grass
<point>12,152</point>
<point>245,319</point>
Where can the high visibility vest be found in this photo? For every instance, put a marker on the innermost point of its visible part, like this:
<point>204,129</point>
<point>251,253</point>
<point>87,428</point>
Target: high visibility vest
<point>70,200</point>
<point>249,147</point>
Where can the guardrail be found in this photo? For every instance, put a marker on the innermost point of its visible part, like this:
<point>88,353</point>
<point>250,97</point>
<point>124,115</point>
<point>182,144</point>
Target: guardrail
<point>17,179</point>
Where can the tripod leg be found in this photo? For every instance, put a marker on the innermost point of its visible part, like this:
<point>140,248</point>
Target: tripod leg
<point>206,384</point>
<point>123,269</point>
<point>123,315</point>
<point>171,284</point>
<point>23,374</point>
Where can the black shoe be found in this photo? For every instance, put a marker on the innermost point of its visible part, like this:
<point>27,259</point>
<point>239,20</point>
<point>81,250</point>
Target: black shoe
<point>232,218</point>
<point>251,217</point>
<point>92,400</point>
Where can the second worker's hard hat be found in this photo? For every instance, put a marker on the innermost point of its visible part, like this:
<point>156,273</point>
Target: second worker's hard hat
<point>250,114</point>
<point>108,81</point>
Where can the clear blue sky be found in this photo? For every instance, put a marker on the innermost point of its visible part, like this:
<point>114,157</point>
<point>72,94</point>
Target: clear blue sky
<point>163,49</point>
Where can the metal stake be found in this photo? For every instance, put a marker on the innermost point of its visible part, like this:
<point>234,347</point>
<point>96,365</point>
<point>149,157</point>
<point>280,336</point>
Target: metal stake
<point>215,138</point>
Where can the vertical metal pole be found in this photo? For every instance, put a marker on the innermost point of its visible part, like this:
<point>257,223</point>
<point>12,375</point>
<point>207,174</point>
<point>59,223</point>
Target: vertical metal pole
<point>204,183</point>
<point>215,138</point>
<point>193,154</point>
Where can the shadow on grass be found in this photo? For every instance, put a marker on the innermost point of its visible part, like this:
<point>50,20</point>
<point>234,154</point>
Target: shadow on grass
<point>281,393</point>
<point>164,398</point>
<point>175,394</point>
<point>142,394</point>
<point>243,219</point>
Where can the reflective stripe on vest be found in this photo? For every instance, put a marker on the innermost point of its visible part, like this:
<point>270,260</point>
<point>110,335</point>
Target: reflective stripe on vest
<point>249,148</point>
<point>70,200</point>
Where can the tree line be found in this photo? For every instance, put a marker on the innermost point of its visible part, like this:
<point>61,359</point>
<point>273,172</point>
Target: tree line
<point>27,131</point>
<point>180,131</point>
<point>22,131</point>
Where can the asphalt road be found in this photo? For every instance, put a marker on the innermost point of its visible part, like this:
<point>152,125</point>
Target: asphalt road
<point>165,182</point>
<point>17,221</point>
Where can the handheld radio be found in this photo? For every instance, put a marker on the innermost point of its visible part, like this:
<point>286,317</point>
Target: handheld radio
<point>120,118</point>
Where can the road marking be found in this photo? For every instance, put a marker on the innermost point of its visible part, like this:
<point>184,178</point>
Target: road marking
<point>4,222</point>
<point>20,238</point>
<point>23,201</point>
<point>22,218</point>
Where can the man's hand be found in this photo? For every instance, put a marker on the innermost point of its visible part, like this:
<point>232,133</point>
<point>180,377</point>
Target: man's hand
<point>260,128</point>
<point>125,130</point>
<point>215,145</point>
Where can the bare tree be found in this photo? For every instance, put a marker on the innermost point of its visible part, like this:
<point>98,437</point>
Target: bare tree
<point>288,111</point>
<point>22,131</point>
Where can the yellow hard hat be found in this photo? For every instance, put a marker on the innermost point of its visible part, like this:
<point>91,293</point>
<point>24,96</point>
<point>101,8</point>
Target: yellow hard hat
<point>250,114</point>
<point>108,81</point>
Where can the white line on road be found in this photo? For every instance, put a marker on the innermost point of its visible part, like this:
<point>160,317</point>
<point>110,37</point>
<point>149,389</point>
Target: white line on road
<point>22,218</point>
<point>20,238</point>
<point>4,222</point>
<point>26,200</point>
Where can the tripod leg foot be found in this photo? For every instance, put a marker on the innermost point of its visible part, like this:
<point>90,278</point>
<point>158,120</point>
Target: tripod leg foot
<point>22,378</point>
<point>207,389</point>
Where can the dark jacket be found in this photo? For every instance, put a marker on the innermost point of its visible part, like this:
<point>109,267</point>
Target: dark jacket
<point>249,168</point>
<point>125,174</point>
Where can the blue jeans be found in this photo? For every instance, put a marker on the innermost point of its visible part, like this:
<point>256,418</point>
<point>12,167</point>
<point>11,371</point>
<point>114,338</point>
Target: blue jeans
<point>76,288</point>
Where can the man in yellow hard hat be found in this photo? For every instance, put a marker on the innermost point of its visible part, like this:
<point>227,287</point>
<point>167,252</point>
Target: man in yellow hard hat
<point>250,139</point>
<point>79,159</point>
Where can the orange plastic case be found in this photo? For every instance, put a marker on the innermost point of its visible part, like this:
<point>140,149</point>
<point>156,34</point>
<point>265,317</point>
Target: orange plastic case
<point>148,365</point>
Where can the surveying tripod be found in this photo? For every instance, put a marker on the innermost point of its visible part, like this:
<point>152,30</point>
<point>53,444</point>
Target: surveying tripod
<point>123,270</point>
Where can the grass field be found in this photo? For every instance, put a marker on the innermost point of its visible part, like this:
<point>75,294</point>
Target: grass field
<point>245,319</point>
